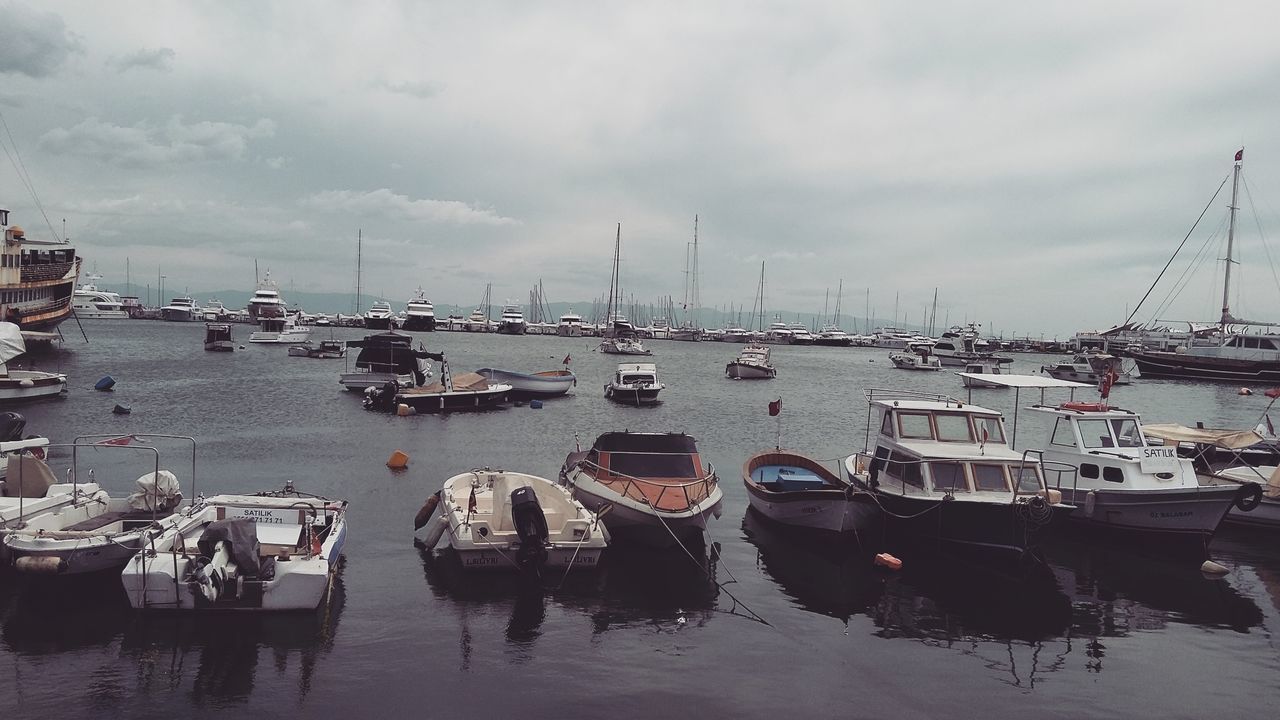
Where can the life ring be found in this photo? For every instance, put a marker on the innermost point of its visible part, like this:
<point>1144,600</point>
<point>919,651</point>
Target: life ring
<point>1248,497</point>
<point>1083,406</point>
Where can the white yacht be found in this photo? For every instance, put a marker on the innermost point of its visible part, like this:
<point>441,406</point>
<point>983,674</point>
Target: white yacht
<point>833,336</point>
<point>266,301</point>
<point>280,330</point>
<point>800,334</point>
<point>419,313</point>
<point>570,325</point>
<point>89,302</point>
<point>512,321</point>
<point>778,333</point>
<point>181,309</point>
<point>379,316</point>
<point>478,321</point>
<point>215,311</point>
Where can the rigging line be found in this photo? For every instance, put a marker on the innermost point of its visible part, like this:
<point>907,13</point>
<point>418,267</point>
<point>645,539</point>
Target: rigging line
<point>26,176</point>
<point>1258,223</point>
<point>1196,262</point>
<point>1175,252</point>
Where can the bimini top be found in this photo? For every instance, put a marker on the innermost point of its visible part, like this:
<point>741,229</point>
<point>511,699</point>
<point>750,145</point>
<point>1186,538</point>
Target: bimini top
<point>671,457</point>
<point>1227,439</point>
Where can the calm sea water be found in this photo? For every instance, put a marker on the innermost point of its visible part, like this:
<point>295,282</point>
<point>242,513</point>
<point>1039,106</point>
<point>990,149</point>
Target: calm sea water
<point>784,626</point>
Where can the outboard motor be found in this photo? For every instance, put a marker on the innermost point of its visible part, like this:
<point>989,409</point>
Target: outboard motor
<point>11,426</point>
<point>382,399</point>
<point>531,526</point>
<point>229,550</point>
<point>218,576</point>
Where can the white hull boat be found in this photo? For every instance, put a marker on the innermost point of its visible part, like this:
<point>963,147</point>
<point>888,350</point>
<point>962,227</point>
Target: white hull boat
<point>23,384</point>
<point>634,384</point>
<point>794,490</point>
<point>249,553</point>
<point>284,331</point>
<point>752,364</point>
<point>499,520</point>
<point>913,361</point>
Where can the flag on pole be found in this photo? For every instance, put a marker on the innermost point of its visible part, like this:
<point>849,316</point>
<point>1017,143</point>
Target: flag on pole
<point>775,407</point>
<point>1240,155</point>
<point>566,360</point>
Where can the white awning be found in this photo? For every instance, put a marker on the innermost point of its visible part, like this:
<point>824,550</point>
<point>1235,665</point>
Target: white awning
<point>1024,381</point>
<point>1229,439</point>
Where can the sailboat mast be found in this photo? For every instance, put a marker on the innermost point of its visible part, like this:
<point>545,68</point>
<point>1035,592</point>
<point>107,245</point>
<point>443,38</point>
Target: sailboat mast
<point>693,294</point>
<point>1231,233</point>
<point>839,294</point>
<point>359,247</point>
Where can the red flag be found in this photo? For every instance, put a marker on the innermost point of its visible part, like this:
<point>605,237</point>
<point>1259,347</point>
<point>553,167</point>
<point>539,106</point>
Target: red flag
<point>1106,381</point>
<point>566,360</point>
<point>775,407</point>
<point>985,435</point>
<point>1273,393</point>
<point>1240,155</point>
<point>471,502</point>
<point>1271,429</point>
<point>123,440</point>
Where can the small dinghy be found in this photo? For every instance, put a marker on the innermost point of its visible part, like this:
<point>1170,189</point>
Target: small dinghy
<point>502,520</point>
<point>255,553</point>
<point>792,489</point>
<point>546,384</point>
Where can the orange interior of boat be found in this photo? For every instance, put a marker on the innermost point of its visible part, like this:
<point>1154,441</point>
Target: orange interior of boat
<point>666,494</point>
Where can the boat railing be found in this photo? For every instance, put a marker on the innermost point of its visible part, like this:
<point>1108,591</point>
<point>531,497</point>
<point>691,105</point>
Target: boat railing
<point>874,467</point>
<point>1059,469</point>
<point>886,395</point>
<point>692,492</point>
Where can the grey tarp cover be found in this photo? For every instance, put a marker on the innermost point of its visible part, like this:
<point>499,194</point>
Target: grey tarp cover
<point>242,534</point>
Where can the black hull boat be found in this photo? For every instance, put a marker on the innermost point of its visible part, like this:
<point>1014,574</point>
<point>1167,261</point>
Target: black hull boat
<point>419,324</point>
<point>1184,366</point>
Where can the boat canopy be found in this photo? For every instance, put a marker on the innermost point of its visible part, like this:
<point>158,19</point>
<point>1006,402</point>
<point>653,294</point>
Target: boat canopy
<point>1226,439</point>
<point>390,352</point>
<point>11,344</point>
<point>1024,381</point>
<point>646,443</point>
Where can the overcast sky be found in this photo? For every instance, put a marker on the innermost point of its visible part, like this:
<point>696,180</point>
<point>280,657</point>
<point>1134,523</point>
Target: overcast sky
<point>1037,163</point>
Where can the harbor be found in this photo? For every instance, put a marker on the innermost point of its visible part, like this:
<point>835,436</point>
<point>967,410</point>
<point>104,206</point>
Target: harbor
<point>757,592</point>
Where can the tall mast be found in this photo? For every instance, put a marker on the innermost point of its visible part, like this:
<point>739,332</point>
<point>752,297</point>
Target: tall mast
<point>839,294</point>
<point>693,294</point>
<point>359,247</point>
<point>1231,232</point>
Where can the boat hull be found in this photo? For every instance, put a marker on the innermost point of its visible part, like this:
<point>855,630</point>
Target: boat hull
<point>744,371</point>
<point>629,521</point>
<point>455,400</point>
<point>628,396</point>
<point>1183,366</point>
<point>419,323</point>
<point>28,384</point>
<point>538,385</point>
<point>1178,511</point>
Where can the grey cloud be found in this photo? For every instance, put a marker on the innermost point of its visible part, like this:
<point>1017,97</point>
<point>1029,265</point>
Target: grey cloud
<point>144,145</point>
<point>35,44</point>
<point>160,59</point>
<point>421,90</point>
<point>384,201</point>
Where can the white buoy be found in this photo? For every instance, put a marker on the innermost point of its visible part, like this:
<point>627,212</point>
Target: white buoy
<point>1212,568</point>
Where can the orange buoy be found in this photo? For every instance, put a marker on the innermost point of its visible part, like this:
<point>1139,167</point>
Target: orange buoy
<point>889,561</point>
<point>398,460</point>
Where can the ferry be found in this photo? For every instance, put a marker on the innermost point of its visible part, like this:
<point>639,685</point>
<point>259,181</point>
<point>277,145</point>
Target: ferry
<point>37,279</point>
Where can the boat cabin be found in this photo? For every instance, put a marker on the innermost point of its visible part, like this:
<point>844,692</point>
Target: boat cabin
<point>946,447</point>
<point>636,374</point>
<point>1104,448</point>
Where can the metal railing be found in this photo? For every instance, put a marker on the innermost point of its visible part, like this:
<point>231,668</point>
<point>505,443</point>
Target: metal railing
<point>632,488</point>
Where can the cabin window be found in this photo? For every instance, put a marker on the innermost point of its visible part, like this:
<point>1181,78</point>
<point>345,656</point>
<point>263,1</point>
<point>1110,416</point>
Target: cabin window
<point>1266,343</point>
<point>948,477</point>
<point>886,425</point>
<point>905,468</point>
<point>914,426</point>
<point>1126,433</point>
<point>994,431</point>
<point>1027,478</point>
<point>954,428</point>
<point>1095,434</point>
<point>1062,434</point>
<point>1089,470</point>
<point>990,478</point>
<point>1112,474</point>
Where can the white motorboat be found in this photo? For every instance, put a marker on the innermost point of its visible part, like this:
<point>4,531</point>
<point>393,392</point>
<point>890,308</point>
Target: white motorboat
<point>621,345</point>
<point>379,316</point>
<point>267,552</point>
<point>215,311</point>
<point>512,321</point>
<point>387,357</point>
<point>29,486</point>
<point>570,325</point>
<point>280,330</point>
<point>651,488</point>
<point>751,364</point>
<point>99,532</point>
<point>986,367</point>
<point>634,384</point>
<point>478,321</point>
<point>181,309</point>
<point>960,346</point>
<point>419,313</point>
<point>91,303</point>
<point>1099,458</point>
<point>545,384</point>
<point>800,334</point>
<point>466,391</point>
<point>501,520</point>
<point>23,384</point>
<point>792,489</point>
<point>942,471</point>
<point>266,301</point>
<point>915,361</point>
<point>1089,368</point>
<point>833,336</point>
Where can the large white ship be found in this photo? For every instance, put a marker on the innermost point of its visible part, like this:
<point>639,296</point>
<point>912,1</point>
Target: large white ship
<point>37,279</point>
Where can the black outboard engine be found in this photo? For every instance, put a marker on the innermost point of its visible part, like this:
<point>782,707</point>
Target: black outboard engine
<point>11,426</point>
<point>382,399</point>
<point>531,526</point>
